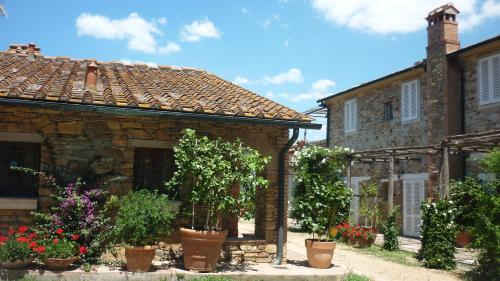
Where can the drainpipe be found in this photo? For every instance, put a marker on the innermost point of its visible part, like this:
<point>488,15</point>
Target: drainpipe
<point>281,195</point>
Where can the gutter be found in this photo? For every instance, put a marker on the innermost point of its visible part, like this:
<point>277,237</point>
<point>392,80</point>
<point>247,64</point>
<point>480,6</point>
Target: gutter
<point>180,115</point>
<point>281,195</point>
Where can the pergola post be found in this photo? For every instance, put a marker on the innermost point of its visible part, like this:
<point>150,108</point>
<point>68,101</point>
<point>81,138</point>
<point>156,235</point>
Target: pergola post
<point>445,188</point>
<point>349,173</point>
<point>390,190</point>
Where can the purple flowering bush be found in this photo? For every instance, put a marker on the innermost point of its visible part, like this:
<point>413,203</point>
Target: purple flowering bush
<point>78,208</point>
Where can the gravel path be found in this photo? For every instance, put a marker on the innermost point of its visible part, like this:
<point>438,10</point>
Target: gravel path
<point>373,267</point>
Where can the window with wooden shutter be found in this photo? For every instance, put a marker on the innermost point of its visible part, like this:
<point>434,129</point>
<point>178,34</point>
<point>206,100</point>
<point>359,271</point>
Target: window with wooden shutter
<point>18,154</point>
<point>489,79</point>
<point>350,116</point>
<point>410,97</point>
<point>152,168</point>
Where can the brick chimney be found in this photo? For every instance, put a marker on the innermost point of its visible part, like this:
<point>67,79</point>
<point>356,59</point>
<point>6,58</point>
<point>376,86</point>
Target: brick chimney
<point>91,79</point>
<point>442,91</point>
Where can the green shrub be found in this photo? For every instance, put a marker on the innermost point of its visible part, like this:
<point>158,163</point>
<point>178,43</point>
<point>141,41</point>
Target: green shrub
<point>368,203</point>
<point>391,232</point>
<point>143,216</point>
<point>323,198</point>
<point>356,277</point>
<point>438,235</point>
<point>466,196</point>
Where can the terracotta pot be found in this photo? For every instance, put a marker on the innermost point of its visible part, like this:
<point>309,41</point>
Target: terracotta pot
<point>139,259</point>
<point>201,249</point>
<point>463,239</point>
<point>17,264</point>
<point>333,231</point>
<point>320,253</point>
<point>59,264</point>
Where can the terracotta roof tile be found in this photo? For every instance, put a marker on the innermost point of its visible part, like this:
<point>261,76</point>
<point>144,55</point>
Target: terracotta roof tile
<point>164,87</point>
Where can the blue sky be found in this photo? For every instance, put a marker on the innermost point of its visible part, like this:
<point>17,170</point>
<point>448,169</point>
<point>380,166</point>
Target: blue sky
<point>292,51</point>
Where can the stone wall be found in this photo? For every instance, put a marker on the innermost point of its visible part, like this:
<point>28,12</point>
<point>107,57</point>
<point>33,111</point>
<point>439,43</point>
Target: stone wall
<point>105,143</point>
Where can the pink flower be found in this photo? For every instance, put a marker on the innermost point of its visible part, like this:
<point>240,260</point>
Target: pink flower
<point>55,240</point>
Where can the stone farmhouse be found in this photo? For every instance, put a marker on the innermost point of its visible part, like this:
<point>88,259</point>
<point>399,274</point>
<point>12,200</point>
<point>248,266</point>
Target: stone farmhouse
<point>452,91</point>
<point>67,116</point>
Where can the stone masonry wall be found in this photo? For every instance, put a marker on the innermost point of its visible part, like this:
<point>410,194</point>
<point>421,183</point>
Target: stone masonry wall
<point>73,141</point>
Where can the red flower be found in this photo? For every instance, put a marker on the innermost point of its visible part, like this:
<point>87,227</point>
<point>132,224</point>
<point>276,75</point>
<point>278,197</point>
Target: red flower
<point>59,231</point>
<point>358,233</point>
<point>23,229</point>
<point>12,231</point>
<point>23,239</point>
<point>3,239</point>
<point>39,249</point>
<point>32,245</point>
<point>55,240</point>
<point>75,237</point>
<point>83,250</point>
<point>32,236</point>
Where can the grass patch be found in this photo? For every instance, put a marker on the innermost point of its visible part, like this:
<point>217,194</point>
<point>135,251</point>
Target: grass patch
<point>356,277</point>
<point>398,256</point>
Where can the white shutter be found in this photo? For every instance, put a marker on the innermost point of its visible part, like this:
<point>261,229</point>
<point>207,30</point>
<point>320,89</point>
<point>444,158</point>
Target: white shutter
<point>495,77</point>
<point>414,99</point>
<point>407,190</point>
<point>350,116</point>
<point>484,81</point>
<point>354,115</point>
<point>347,117</point>
<point>417,187</point>
<point>405,102</point>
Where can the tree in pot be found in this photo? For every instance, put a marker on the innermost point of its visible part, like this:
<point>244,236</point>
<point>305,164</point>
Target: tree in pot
<point>322,198</point>
<point>142,217</point>
<point>209,170</point>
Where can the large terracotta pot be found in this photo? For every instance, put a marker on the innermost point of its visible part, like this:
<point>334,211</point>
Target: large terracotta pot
<point>463,239</point>
<point>201,249</point>
<point>139,259</point>
<point>319,254</point>
<point>17,264</point>
<point>59,264</point>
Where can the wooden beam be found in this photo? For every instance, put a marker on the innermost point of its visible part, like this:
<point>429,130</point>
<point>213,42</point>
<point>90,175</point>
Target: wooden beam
<point>390,191</point>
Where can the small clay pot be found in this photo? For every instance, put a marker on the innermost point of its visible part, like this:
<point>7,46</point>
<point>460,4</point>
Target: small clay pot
<point>463,239</point>
<point>59,264</point>
<point>17,264</point>
<point>319,253</point>
<point>139,259</point>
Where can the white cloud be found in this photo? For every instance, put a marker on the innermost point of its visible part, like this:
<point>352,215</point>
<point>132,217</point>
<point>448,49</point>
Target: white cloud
<point>131,62</point>
<point>293,75</point>
<point>270,95</point>
<point>396,16</point>
<point>198,30</point>
<point>319,89</point>
<point>136,30</point>
<point>169,48</point>
<point>287,42</point>
<point>245,11</point>
<point>240,80</point>
<point>266,23</point>
<point>162,20</point>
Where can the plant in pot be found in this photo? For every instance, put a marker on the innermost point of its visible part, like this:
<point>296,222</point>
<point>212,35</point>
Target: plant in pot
<point>322,198</point>
<point>465,196</point>
<point>16,249</point>
<point>368,205</point>
<point>142,218</point>
<point>208,171</point>
<point>58,250</point>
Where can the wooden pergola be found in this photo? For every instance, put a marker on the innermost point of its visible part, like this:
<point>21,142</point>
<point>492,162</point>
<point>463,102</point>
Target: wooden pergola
<point>458,144</point>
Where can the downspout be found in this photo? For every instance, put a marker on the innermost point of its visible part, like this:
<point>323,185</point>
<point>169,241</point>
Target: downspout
<point>281,195</point>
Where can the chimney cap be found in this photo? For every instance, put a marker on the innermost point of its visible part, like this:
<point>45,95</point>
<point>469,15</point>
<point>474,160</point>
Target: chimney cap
<point>92,64</point>
<point>448,8</point>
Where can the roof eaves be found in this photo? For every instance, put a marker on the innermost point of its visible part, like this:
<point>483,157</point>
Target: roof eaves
<point>474,46</point>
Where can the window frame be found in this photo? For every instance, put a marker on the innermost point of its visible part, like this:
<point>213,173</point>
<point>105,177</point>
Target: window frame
<point>26,193</point>
<point>417,100</point>
<point>491,80</point>
<point>388,111</point>
<point>353,128</point>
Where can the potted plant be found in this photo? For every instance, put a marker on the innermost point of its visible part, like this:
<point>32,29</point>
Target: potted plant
<point>465,196</point>
<point>16,249</point>
<point>58,250</point>
<point>322,198</point>
<point>368,205</point>
<point>208,170</point>
<point>142,217</point>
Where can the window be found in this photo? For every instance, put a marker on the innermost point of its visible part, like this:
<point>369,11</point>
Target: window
<point>20,154</point>
<point>152,168</point>
<point>409,100</point>
<point>350,116</point>
<point>489,79</point>
<point>388,111</point>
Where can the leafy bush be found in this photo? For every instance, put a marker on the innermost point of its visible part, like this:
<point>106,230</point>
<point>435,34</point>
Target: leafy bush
<point>210,169</point>
<point>322,198</point>
<point>368,204</point>
<point>143,216</point>
<point>466,196</point>
<point>391,232</point>
<point>438,235</point>
<point>16,246</point>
